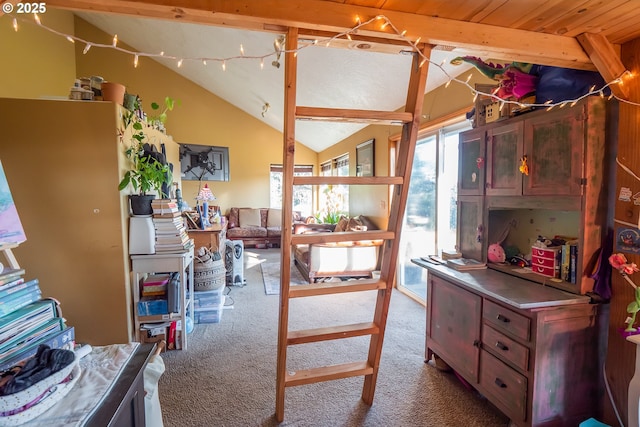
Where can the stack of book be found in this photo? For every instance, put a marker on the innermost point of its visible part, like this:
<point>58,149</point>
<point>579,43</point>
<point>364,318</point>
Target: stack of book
<point>155,285</point>
<point>26,321</point>
<point>171,232</point>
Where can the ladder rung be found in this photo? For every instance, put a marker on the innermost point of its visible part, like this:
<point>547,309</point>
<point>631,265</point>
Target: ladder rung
<point>332,333</point>
<point>328,288</point>
<point>327,373</point>
<point>341,236</point>
<point>347,180</point>
<point>349,115</point>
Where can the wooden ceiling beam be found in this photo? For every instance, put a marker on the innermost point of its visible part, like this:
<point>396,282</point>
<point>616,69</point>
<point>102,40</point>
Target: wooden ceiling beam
<point>333,17</point>
<point>606,60</point>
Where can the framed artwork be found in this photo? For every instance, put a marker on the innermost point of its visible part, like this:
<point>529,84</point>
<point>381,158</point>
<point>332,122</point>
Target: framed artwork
<point>365,160</point>
<point>204,163</point>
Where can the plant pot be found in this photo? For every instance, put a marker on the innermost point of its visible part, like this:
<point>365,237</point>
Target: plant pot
<point>141,204</point>
<point>113,92</point>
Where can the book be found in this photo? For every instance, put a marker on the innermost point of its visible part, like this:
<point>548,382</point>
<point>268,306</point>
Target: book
<point>564,263</point>
<point>156,279</point>
<point>64,339</point>
<point>171,339</point>
<point>573,263</point>
<point>11,283</point>
<point>16,343</point>
<point>27,317</point>
<point>10,274</point>
<point>463,264</point>
<point>19,300</point>
<point>19,285</point>
<point>155,285</point>
<point>446,255</point>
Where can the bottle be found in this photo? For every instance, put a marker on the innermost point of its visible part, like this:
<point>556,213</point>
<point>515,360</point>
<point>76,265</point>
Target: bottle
<point>179,198</point>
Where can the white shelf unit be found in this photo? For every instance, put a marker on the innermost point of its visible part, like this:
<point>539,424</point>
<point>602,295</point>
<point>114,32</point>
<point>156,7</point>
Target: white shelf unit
<point>165,263</point>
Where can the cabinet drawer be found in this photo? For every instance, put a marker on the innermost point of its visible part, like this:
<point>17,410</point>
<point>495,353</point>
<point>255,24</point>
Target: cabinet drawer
<point>545,252</point>
<point>537,261</point>
<point>506,320</point>
<point>545,271</point>
<point>504,386</point>
<point>505,348</point>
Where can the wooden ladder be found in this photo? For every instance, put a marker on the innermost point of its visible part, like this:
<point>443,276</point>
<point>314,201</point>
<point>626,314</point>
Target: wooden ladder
<point>375,329</point>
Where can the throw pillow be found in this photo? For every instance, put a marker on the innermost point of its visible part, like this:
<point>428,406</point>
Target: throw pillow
<point>342,224</point>
<point>274,218</point>
<point>355,224</point>
<point>249,217</point>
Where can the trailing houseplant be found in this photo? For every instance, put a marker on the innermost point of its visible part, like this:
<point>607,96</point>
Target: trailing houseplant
<point>148,172</point>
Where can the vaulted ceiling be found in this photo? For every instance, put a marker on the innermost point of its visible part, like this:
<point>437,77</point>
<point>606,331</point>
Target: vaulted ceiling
<point>581,34</point>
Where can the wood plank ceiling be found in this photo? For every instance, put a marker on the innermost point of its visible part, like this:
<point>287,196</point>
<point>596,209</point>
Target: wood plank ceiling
<point>537,31</point>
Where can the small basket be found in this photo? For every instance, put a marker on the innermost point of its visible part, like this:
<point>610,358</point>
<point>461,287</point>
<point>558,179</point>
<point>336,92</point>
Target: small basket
<point>208,274</point>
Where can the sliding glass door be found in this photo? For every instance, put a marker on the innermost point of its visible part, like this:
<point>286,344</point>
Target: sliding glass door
<point>430,218</point>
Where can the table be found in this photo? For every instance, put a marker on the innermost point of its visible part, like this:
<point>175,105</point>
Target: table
<point>165,263</point>
<point>212,237</point>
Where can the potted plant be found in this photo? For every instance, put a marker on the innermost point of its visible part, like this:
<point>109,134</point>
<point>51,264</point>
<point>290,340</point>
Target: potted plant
<point>148,172</point>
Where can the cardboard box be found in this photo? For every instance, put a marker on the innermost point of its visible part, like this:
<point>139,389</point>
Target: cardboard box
<point>145,338</point>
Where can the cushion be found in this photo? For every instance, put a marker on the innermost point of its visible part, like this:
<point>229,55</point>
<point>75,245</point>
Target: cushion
<point>342,224</point>
<point>274,218</point>
<point>355,224</point>
<point>246,232</point>
<point>233,218</point>
<point>249,217</point>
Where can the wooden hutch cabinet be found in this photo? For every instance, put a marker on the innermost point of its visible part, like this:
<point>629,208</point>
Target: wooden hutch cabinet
<point>533,345</point>
<point>565,152</point>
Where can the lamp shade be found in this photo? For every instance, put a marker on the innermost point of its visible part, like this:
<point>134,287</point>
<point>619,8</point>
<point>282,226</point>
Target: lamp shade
<point>205,194</point>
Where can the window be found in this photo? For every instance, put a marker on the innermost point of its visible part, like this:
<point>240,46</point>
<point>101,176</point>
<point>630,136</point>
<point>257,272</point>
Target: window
<point>334,199</point>
<point>430,221</point>
<point>302,194</point>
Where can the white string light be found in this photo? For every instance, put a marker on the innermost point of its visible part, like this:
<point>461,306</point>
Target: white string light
<point>359,24</point>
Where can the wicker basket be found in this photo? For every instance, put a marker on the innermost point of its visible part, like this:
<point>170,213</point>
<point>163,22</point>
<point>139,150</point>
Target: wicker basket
<point>208,274</point>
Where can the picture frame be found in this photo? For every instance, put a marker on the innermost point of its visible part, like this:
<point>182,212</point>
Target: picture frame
<point>365,158</point>
<point>204,163</point>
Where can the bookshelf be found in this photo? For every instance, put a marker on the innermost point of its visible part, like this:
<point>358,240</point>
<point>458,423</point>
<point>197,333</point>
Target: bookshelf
<point>181,263</point>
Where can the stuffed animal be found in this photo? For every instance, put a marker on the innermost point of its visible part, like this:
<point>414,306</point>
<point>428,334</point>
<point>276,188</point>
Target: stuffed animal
<point>495,253</point>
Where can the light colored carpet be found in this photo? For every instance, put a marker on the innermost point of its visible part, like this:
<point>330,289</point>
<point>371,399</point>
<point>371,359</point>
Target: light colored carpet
<point>271,277</point>
<point>227,377</point>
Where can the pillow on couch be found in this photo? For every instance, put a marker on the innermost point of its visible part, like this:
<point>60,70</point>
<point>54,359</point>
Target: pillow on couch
<point>356,224</point>
<point>342,224</point>
<point>249,217</point>
<point>274,218</point>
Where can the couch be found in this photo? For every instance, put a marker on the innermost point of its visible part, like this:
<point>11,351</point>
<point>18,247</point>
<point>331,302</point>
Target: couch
<point>337,259</point>
<point>259,227</point>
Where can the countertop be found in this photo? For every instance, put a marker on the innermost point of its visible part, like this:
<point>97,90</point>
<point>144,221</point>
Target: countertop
<point>511,290</point>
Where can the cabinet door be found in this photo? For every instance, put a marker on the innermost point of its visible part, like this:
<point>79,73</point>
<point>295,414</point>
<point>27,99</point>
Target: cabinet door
<point>470,226</point>
<point>554,144</point>
<point>504,151</point>
<point>471,162</point>
<point>453,326</point>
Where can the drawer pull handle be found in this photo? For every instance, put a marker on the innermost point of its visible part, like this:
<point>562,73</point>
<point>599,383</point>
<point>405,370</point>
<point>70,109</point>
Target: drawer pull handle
<point>501,346</point>
<point>502,318</point>
<point>500,384</point>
